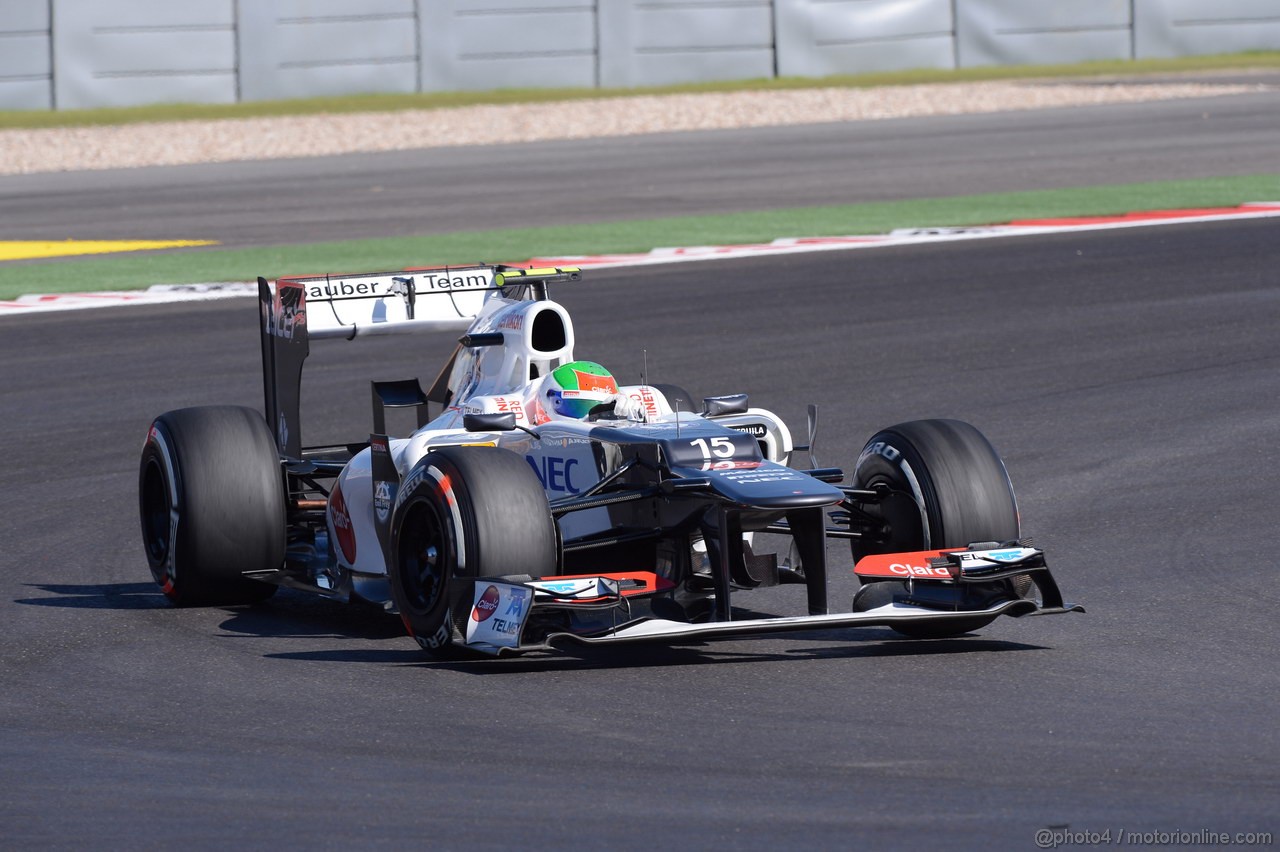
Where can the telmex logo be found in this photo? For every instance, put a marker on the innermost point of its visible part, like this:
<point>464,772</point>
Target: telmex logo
<point>998,555</point>
<point>382,499</point>
<point>566,586</point>
<point>918,570</point>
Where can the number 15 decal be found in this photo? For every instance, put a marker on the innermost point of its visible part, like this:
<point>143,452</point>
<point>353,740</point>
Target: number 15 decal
<point>721,448</point>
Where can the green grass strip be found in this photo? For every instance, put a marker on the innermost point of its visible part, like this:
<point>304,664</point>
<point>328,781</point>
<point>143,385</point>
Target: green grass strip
<point>440,100</point>
<point>124,272</point>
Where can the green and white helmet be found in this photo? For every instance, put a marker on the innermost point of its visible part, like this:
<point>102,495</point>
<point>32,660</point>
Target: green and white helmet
<point>573,389</point>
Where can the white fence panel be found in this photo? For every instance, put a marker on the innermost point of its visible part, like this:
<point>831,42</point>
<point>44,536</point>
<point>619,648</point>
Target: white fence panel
<point>507,44</point>
<point>310,48</point>
<point>1016,32</point>
<point>817,38</point>
<point>143,51</point>
<point>1167,28</point>
<point>26,64</point>
<point>659,42</point>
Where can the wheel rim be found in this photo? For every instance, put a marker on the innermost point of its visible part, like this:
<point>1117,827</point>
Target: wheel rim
<point>156,509</point>
<point>902,516</point>
<point>423,557</point>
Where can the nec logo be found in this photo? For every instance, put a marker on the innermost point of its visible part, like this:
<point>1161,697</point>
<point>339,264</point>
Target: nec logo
<point>555,474</point>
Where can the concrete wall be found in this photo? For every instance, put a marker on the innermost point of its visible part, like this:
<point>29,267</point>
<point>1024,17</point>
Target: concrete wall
<point>307,48</point>
<point>1167,28</point>
<point>658,42</point>
<point>116,53</point>
<point>507,44</point>
<point>1017,32</point>
<point>817,38</point>
<point>70,54</point>
<point>26,60</point>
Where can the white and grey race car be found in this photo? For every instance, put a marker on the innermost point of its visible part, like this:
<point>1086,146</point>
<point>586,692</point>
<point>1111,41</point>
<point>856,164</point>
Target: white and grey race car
<point>544,506</point>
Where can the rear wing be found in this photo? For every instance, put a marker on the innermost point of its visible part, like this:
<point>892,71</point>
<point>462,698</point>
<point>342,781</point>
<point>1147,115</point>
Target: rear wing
<point>299,309</point>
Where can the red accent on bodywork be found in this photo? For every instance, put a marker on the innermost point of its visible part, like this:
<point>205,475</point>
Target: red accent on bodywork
<point>902,566</point>
<point>731,465</point>
<point>650,582</point>
<point>342,528</point>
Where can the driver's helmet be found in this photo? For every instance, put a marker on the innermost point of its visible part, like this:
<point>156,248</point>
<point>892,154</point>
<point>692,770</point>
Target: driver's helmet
<point>573,389</point>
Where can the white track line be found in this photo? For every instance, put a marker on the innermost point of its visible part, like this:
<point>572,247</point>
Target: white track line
<point>164,293</point>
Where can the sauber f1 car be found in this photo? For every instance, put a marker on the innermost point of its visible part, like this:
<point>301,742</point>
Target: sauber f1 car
<point>544,506</point>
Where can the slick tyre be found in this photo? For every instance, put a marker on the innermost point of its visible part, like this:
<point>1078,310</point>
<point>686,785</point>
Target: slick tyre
<point>212,504</point>
<point>461,513</point>
<point>950,489</point>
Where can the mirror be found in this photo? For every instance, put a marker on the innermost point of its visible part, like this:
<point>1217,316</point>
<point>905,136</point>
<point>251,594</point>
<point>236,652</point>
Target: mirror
<point>497,422</point>
<point>718,406</point>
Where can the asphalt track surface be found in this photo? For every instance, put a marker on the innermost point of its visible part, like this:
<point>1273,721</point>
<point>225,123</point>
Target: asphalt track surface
<point>502,186</point>
<point>1129,378</point>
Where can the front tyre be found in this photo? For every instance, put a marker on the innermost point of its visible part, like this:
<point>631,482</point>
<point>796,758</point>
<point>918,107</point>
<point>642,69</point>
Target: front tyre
<point>950,489</point>
<point>464,512</point>
<point>212,505</point>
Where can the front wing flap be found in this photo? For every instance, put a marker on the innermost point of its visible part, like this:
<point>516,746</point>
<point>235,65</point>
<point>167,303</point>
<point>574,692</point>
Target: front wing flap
<point>501,608</point>
<point>890,615</point>
<point>976,564</point>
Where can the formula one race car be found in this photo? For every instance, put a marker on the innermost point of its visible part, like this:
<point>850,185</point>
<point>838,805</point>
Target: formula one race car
<point>545,506</point>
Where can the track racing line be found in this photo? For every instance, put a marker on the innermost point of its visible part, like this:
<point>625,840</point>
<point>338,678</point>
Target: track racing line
<point>787,245</point>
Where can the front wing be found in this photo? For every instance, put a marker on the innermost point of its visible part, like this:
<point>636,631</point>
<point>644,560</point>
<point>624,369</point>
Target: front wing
<point>501,609</point>
<point>889,615</point>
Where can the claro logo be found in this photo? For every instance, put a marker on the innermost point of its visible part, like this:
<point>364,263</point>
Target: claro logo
<point>918,570</point>
<point>486,606</point>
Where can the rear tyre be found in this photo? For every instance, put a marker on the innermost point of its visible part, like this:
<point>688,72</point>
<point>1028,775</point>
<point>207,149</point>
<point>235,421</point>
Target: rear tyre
<point>466,512</point>
<point>212,504</point>
<point>951,490</point>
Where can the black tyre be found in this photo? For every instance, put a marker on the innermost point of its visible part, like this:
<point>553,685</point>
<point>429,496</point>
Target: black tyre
<point>952,490</point>
<point>678,398</point>
<point>212,504</point>
<point>464,512</point>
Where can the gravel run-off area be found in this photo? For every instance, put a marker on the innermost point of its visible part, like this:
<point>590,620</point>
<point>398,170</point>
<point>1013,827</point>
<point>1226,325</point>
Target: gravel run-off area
<point>185,142</point>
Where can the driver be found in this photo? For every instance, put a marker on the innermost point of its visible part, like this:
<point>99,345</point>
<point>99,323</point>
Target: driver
<point>580,388</point>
